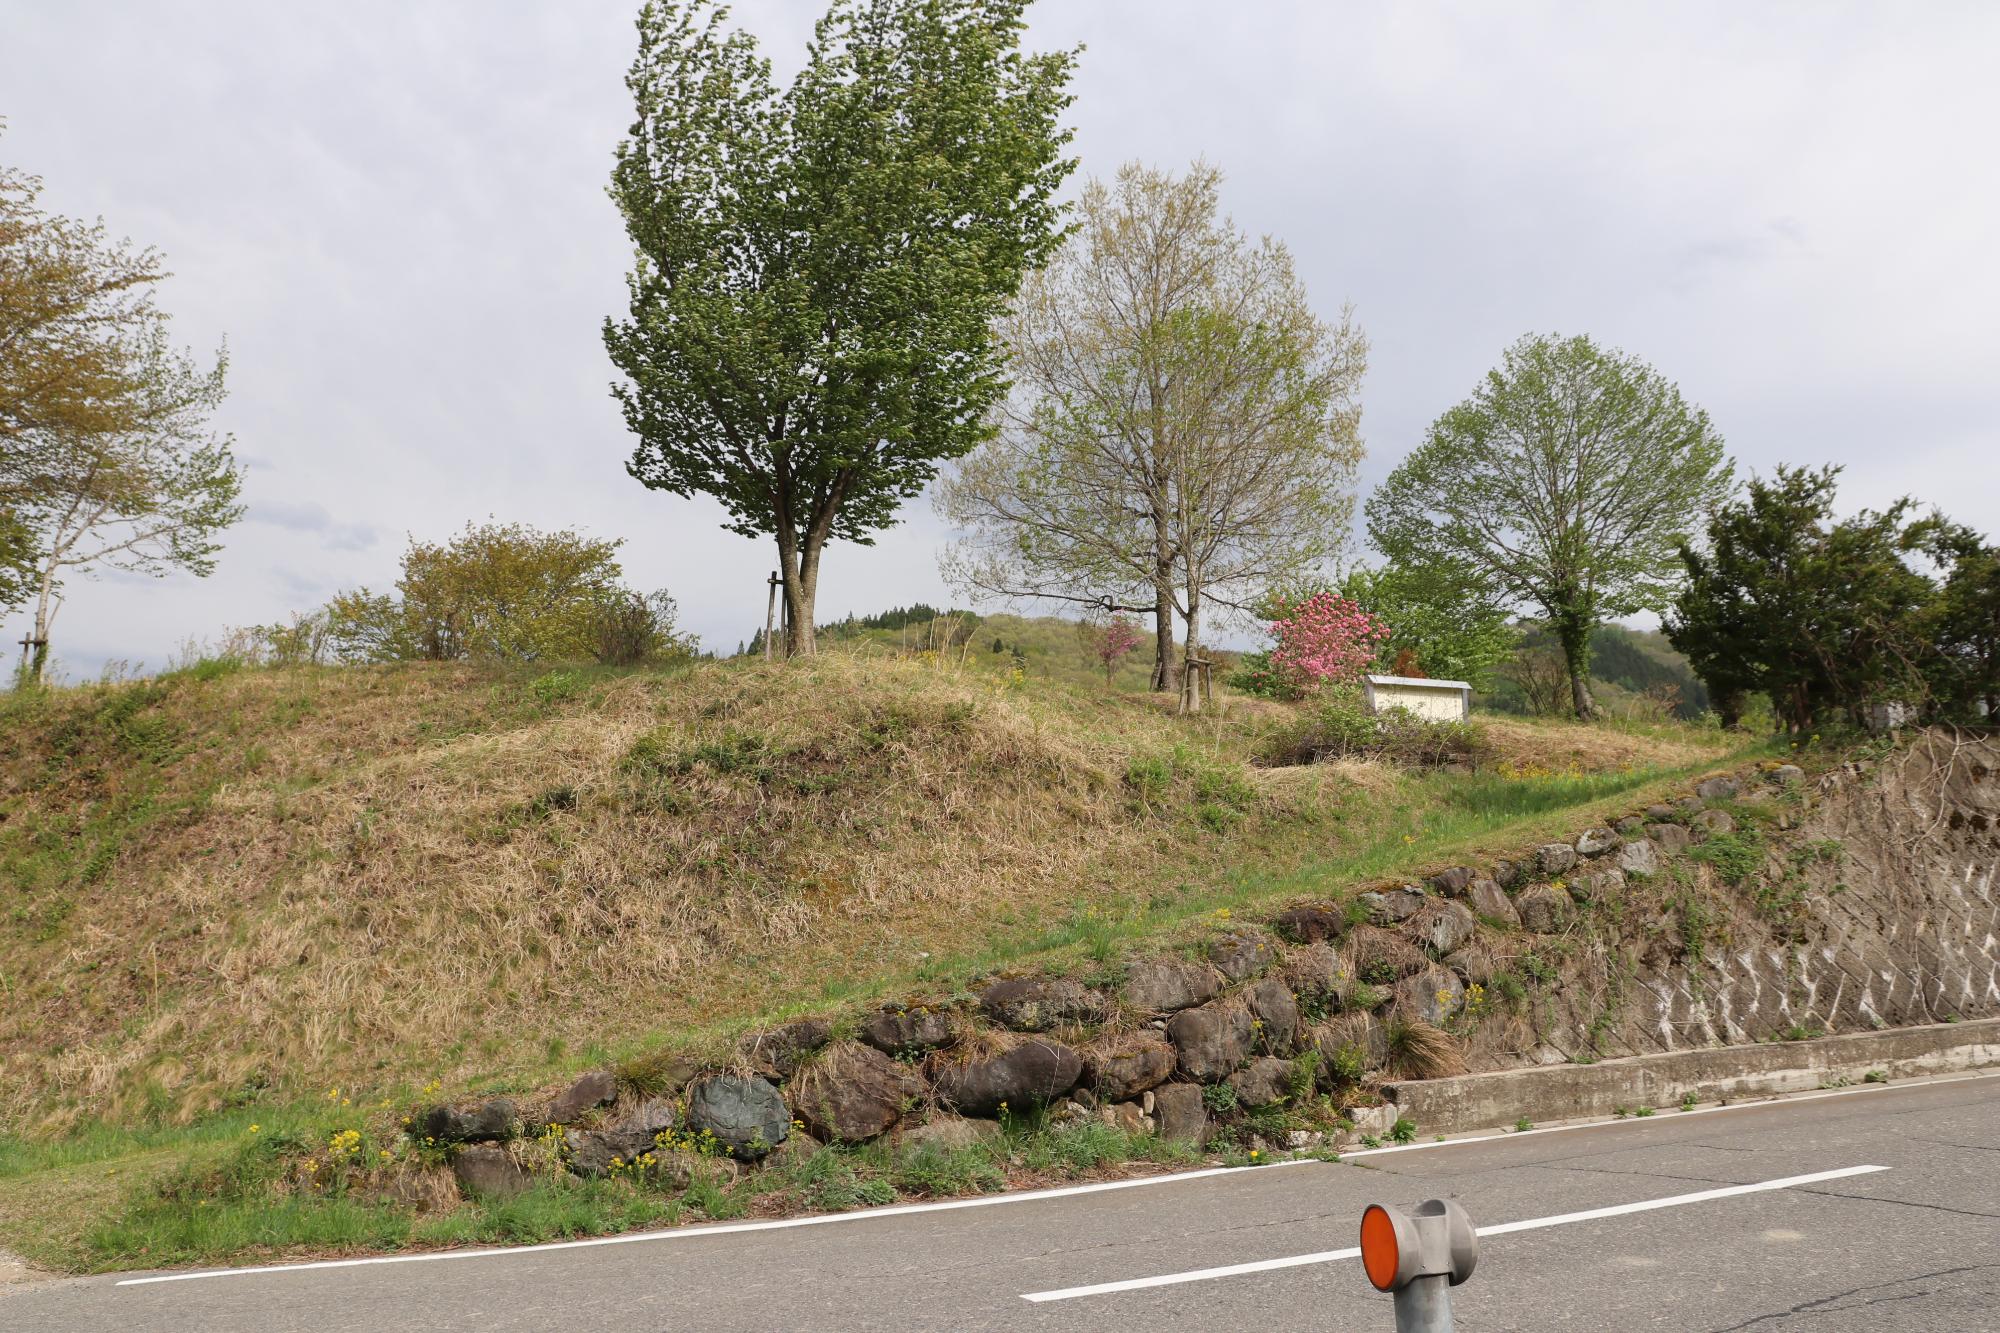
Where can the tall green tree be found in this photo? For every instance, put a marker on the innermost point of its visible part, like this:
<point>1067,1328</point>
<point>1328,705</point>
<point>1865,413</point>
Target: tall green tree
<point>1964,629</point>
<point>1569,480</point>
<point>1823,616</point>
<point>1184,429</point>
<point>1444,621</point>
<point>818,269</point>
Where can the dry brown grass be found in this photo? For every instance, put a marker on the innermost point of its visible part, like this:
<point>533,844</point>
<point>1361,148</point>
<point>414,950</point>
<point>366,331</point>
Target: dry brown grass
<point>381,874</point>
<point>1417,1049</point>
<point>1553,745</point>
<point>273,882</point>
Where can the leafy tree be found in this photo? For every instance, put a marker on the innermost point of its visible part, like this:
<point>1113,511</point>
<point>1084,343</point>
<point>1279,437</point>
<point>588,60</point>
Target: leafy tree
<point>148,497</point>
<point>1184,429</point>
<point>817,270</point>
<point>1822,616</point>
<point>1442,621</point>
<point>79,364</point>
<point>507,592</point>
<point>1569,481</point>
<point>1963,626</point>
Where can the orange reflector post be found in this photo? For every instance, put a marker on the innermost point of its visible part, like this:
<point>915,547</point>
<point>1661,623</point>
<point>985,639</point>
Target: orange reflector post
<point>1381,1255</point>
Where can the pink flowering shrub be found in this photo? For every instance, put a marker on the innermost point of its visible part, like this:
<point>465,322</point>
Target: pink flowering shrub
<point>1116,639</point>
<point>1325,639</point>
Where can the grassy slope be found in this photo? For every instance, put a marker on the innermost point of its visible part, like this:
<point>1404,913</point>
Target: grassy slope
<point>229,891</point>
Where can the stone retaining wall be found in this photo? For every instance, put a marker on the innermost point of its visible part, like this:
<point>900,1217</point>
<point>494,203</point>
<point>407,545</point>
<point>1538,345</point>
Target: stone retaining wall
<point>1761,905</point>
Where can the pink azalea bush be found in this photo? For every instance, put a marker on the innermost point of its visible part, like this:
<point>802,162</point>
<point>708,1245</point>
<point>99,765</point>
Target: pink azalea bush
<point>1325,639</point>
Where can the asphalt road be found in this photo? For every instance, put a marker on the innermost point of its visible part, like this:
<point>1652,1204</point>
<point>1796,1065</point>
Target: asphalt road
<point>1912,1246</point>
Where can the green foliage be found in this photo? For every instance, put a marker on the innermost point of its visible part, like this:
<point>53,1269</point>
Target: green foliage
<point>1122,478</point>
<point>496,592</point>
<point>1567,481</point>
<point>1339,726</point>
<point>1219,1098</point>
<point>1404,1130</point>
<point>1821,616</point>
<point>555,687</point>
<point>1962,625</point>
<point>1445,621</point>
<point>818,270</point>
<point>1348,1064</point>
<point>1368,994</point>
<point>1254,674</point>
<point>106,456</point>
<point>1734,856</point>
<point>1694,919</point>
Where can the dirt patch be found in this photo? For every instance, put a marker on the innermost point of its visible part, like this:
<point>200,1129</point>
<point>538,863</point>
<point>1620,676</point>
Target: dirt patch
<point>16,1272</point>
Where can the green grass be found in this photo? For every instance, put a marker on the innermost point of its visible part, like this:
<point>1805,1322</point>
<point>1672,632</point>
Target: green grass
<point>225,1201</point>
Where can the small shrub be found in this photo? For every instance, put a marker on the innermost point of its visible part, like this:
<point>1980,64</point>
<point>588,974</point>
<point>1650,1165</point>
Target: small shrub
<point>1219,1098</point>
<point>1340,726</point>
<point>1733,856</point>
<point>1149,777</point>
<point>1348,1064</point>
<point>1365,997</point>
<point>1378,972</point>
<point>1404,1130</point>
<point>555,687</point>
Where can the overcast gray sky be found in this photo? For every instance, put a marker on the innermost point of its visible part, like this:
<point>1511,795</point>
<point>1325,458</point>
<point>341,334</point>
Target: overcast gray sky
<point>396,214</point>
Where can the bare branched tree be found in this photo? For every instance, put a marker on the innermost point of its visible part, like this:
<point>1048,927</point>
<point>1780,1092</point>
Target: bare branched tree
<point>1183,430</point>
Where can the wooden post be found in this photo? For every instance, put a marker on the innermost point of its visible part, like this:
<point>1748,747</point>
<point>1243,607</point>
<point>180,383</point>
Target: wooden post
<point>770,610</point>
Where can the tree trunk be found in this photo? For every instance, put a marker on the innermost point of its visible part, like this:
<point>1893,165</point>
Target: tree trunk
<point>799,568</point>
<point>1163,635</point>
<point>1573,630</point>
<point>1728,708</point>
<point>1191,675</point>
<point>46,606</point>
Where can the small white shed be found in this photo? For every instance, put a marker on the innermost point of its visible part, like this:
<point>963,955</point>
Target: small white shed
<point>1432,700</point>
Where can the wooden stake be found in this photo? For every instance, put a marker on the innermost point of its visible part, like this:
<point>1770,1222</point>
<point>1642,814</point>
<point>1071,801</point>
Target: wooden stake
<point>771,611</point>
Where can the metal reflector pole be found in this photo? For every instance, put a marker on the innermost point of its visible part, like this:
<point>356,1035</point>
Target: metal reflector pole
<point>1419,1254</point>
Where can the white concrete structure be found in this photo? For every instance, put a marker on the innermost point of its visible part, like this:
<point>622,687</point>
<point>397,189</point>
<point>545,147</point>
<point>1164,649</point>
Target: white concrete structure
<point>1433,700</point>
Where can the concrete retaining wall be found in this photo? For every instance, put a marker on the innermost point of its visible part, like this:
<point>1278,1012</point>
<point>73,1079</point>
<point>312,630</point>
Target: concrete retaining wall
<point>1501,1098</point>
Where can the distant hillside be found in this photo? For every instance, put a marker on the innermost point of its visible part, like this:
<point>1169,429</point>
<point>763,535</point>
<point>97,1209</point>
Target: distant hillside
<point>1630,669</point>
<point>1051,648</point>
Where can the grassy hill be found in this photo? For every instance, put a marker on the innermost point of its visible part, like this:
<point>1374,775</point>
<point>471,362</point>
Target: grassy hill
<point>230,889</point>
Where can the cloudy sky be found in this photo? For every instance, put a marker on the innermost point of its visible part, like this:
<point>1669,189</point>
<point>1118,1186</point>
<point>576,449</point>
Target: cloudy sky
<point>395,213</point>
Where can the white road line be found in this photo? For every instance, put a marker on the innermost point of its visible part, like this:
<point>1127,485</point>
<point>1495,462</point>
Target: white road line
<point>1501,1229</point>
<point>726,1229</point>
<point>984,1201</point>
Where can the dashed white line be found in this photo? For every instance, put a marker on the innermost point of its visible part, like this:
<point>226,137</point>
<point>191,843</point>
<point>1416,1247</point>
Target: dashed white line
<point>1501,1229</point>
